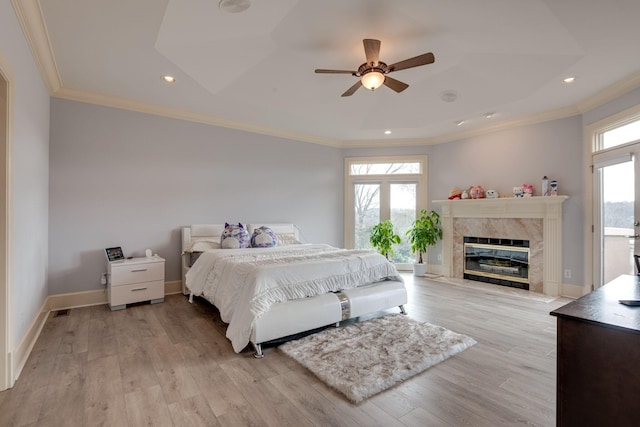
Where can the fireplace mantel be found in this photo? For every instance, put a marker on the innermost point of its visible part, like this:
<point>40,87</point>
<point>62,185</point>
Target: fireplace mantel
<point>548,208</point>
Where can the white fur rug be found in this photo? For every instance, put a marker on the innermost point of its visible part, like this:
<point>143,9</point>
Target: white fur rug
<point>362,359</point>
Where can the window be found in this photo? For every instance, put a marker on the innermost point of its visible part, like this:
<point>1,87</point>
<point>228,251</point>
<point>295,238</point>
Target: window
<point>381,188</point>
<point>619,135</point>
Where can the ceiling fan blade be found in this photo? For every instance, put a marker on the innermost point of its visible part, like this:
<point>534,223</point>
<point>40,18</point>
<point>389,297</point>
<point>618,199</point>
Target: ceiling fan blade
<point>352,89</point>
<point>321,71</point>
<point>416,61</point>
<point>372,50</point>
<point>394,84</point>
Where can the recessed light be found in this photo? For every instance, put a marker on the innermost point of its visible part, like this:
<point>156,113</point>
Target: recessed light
<point>168,79</point>
<point>569,80</point>
<point>387,132</point>
<point>234,6</point>
<point>459,122</point>
<point>488,115</point>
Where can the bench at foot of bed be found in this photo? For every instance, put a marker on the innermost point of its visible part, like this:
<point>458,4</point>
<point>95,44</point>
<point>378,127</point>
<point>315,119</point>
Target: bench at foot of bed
<point>293,317</point>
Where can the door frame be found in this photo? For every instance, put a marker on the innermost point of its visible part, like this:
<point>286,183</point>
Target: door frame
<point>6,225</point>
<point>591,202</point>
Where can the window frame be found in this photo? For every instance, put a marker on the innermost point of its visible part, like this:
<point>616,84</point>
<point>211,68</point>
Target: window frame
<point>384,180</point>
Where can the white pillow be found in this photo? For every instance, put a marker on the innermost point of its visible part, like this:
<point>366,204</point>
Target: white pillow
<point>204,245</point>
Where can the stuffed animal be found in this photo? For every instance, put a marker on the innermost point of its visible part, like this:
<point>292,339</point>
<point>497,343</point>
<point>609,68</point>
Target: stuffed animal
<point>455,193</point>
<point>517,191</point>
<point>527,190</point>
<point>492,194</point>
<point>234,237</point>
<point>263,237</point>
<point>465,194</point>
<point>477,192</point>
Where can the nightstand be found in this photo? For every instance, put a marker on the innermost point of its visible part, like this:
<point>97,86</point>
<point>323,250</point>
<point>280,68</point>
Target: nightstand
<point>134,280</point>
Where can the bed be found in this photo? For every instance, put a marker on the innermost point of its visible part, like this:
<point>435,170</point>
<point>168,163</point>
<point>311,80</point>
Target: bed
<point>269,293</point>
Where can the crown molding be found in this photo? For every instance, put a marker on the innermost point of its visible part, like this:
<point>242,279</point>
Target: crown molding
<point>546,116</point>
<point>610,93</point>
<point>35,31</point>
<point>186,115</point>
<point>31,20</point>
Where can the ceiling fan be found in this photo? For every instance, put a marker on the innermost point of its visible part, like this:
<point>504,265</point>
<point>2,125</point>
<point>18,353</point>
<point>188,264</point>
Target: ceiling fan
<point>373,73</point>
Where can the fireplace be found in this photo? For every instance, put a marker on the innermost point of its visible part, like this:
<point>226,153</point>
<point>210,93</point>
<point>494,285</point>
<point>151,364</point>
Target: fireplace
<point>495,260</point>
<point>537,219</point>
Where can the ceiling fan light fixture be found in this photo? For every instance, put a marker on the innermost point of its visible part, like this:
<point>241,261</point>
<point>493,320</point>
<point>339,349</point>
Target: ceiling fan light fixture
<point>372,80</point>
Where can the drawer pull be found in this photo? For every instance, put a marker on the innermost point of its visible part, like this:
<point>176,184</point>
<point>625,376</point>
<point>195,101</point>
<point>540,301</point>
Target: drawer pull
<point>138,270</point>
<point>138,289</point>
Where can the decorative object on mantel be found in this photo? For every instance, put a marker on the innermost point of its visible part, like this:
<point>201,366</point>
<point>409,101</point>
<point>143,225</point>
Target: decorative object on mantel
<point>517,191</point>
<point>362,359</point>
<point>545,186</point>
<point>382,238</point>
<point>477,192</point>
<point>465,194</point>
<point>553,188</point>
<point>527,190</point>
<point>425,231</point>
<point>455,193</point>
<point>492,194</point>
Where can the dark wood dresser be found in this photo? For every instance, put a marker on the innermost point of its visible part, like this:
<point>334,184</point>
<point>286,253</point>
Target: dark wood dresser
<point>598,372</point>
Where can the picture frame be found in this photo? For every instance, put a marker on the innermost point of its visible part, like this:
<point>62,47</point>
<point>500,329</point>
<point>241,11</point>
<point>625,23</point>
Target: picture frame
<point>114,254</point>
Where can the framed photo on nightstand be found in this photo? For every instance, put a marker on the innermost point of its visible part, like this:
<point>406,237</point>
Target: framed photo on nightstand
<point>114,254</point>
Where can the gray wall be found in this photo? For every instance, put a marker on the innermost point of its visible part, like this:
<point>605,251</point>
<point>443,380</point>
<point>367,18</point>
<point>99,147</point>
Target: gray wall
<point>120,178</point>
<point>504,159</point>
<point>30,174</point>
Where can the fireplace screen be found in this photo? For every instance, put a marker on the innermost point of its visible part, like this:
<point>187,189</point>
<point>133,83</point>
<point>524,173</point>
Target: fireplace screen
<point>499,261</point>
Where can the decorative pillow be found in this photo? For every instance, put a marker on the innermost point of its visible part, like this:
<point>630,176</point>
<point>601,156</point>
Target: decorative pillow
<point>263,237</point>
<point>234,237</point>
<point>287,239</point>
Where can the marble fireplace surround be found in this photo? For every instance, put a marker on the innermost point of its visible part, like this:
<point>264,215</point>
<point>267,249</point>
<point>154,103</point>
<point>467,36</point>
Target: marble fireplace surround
<point>537,219</point>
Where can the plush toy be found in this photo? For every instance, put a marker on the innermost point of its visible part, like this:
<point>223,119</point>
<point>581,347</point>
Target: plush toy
<point>517,191</point>
<point>455,193</point>
<point>465,194</point>
<point>527,190</point>
<point>477,192</point>
<point>234,237</point>
<point>263,237</point>
<point>492,194</point>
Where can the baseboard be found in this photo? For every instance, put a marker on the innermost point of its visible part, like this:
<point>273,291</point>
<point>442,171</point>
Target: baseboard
<point>97,297</point>
<point>23,350</point>
<point>60,302</point>
<point>572,291</point>
<point>174,287</point>
<point>77,299</point>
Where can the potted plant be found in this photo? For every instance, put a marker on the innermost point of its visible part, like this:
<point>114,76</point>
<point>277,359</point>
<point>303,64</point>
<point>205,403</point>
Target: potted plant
<point>383,238</point>
<point>425,232</point>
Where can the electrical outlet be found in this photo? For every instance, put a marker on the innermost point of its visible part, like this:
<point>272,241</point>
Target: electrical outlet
<point>439,257</point>
<point>567,273</point>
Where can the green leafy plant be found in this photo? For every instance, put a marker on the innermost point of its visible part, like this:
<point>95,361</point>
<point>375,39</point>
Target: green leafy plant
<point>425,232</point>
<point>383,238</point>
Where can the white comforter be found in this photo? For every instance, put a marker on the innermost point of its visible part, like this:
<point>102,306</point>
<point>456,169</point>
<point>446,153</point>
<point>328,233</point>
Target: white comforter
<point>244,283</point>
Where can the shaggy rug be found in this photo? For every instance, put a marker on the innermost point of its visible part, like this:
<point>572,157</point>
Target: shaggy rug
<point>362,359</point>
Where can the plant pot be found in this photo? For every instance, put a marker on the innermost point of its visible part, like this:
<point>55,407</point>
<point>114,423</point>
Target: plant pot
<point>419,269</point>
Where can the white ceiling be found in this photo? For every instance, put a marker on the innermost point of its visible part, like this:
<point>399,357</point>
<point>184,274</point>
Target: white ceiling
<point>255,70</point>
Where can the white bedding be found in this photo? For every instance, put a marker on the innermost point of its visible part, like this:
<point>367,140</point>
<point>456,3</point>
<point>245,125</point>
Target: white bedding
<point>244,283</point>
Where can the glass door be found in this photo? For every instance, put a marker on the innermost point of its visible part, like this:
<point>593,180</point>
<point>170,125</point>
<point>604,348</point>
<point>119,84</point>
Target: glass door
<point>617,213</point>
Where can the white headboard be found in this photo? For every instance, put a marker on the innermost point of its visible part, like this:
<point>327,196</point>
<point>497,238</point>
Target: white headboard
<point>212,232</point>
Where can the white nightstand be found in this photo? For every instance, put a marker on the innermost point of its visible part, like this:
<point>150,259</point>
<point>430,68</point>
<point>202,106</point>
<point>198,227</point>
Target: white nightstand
<point>134,280</point>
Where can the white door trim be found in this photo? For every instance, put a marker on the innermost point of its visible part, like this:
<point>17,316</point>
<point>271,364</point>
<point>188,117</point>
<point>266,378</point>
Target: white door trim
<point>6,225</point>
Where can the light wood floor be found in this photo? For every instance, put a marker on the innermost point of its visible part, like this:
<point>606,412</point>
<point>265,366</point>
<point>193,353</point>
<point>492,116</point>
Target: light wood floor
<point>169,364</point>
